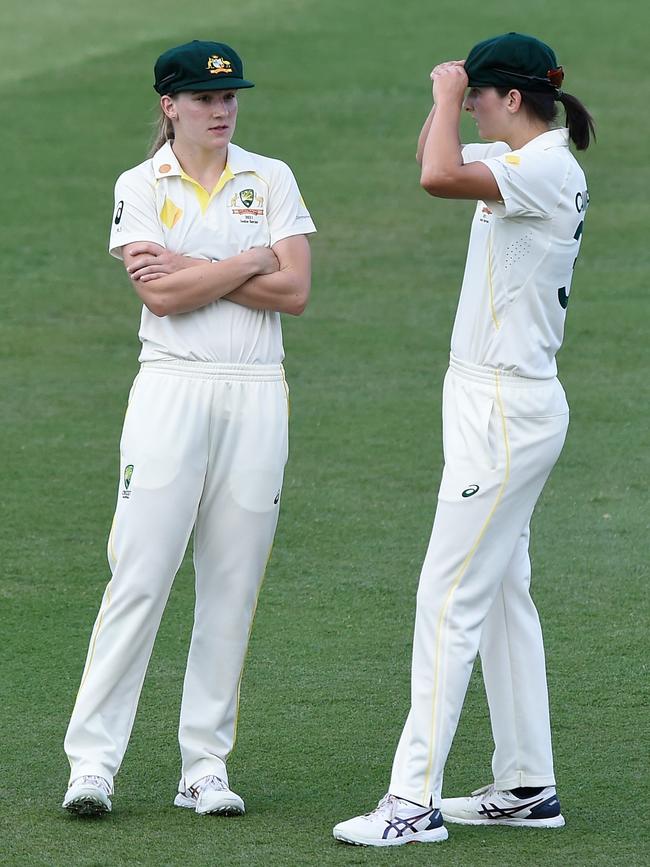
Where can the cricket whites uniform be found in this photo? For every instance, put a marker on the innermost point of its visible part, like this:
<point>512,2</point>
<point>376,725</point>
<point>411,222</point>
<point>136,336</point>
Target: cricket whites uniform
<point>505,418</point>
<point>203,448</point>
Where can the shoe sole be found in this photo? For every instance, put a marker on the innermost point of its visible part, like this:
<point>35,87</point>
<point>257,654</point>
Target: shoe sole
<point>228,810</point>
<point>435,836</point>
<point>86,805</point>
<point>554,822</point>
<point>225,810</point>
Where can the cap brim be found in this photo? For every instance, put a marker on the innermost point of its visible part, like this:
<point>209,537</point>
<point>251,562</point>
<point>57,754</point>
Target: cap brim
<point>217,84</point>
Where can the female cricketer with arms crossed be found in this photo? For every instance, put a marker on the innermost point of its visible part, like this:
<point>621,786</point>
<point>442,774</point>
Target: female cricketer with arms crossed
<point>213,238</point>
<point>505,418</point>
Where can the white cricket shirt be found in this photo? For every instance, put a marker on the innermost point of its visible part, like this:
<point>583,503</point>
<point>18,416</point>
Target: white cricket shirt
<point>255,204</point>
<point>521,256</point>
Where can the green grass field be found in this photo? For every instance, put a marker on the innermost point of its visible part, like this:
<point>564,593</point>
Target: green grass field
<point>342,91</point>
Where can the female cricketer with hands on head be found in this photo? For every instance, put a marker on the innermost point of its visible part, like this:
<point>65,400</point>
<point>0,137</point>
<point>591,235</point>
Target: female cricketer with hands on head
<point>214,240</point>
<point>505,418</point>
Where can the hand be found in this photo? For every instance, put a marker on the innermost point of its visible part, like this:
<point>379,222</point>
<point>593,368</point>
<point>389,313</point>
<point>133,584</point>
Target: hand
<point>449,81</point>
<point>440,66</point>
<point>265,260</point>
<point>150,261</point>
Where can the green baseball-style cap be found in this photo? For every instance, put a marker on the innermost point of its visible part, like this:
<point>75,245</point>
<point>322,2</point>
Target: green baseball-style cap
<point>199,66</point>
<point>514,60</point>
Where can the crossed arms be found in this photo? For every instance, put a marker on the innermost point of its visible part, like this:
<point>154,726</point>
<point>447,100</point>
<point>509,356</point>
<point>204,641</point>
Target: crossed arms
<point>263,278</point>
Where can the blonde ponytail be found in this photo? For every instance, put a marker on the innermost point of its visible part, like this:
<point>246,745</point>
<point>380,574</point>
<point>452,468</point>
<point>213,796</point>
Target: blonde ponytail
<point>163,132</point>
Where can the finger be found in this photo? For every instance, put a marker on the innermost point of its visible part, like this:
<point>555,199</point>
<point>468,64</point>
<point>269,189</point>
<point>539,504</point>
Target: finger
<point>137,273</point>
<point>142,262</point>
<point>146,247</point>
<point>149,277</point>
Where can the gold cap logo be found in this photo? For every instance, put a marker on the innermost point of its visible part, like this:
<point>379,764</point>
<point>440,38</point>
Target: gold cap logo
<point>218,64</point>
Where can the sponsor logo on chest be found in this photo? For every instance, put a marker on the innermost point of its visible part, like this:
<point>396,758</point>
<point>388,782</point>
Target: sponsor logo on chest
<point>247,205</point>
<point>484,215</point>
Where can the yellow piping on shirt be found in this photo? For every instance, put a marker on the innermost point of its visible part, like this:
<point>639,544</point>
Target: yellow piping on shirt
<point>454,585</point>
<point>489,263</point>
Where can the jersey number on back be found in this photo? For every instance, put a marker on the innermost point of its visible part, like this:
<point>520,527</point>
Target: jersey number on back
<point>582,200</point>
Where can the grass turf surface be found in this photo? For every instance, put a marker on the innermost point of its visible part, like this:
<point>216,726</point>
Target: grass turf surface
<point>342,90</point>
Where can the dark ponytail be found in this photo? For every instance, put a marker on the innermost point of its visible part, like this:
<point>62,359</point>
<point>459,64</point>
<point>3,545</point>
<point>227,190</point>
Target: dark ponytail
<point>578,119</point>
<point>543,106</point>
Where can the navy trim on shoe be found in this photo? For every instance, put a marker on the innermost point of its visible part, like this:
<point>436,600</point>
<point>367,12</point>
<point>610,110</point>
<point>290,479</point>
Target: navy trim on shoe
<point>547,809</point>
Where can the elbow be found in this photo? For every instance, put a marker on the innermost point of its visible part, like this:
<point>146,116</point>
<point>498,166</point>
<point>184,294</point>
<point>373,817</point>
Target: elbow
<point>297,302</point>
<point>159,301</point>
<point>157,307</point>
<point>436,183</point>
<point>154,300</point>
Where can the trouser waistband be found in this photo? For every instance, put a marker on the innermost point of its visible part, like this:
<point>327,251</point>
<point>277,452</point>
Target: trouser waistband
<point>210,370</point>
<point>481,373</point>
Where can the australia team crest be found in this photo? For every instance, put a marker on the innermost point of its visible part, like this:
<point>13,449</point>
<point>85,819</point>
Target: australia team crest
<point>247,205</point>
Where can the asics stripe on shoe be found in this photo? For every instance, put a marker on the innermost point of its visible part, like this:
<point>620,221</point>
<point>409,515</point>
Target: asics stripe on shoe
<point>490,806</point>
<point>393,822</point>
<point>211,795</point>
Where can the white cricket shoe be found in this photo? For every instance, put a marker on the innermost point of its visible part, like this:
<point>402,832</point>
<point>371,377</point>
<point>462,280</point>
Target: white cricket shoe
<point>489,806</point>
<point>88,796</point>
<point>211,795</point>
<point>393,822</point>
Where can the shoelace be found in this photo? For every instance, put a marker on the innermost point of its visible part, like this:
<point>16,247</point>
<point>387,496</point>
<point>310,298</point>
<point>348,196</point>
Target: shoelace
<point>386,805</point>
<point>100,782</point>
<point>490,789</point>
<point>210,782</point>
<point>214,782</point>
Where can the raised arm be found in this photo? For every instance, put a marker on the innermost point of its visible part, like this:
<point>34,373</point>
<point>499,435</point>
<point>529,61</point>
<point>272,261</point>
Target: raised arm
<point>443,172</point>
<point>424,132</point>
<point>169,283</point>
<point>286,290</point>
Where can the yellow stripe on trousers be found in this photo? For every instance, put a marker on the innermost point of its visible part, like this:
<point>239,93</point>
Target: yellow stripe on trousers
<point>457,579</point>
<point>250,629</point>
<point>106,601</point>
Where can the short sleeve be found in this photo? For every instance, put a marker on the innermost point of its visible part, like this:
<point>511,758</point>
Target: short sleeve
<point>287,213</point>
<point>529,183</point>
<point>472,153</point>
<point>135,217</point>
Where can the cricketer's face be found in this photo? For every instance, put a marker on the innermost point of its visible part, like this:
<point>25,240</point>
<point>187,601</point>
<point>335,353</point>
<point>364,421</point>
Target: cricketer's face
<point>489,111</point>
<point>206,118</point>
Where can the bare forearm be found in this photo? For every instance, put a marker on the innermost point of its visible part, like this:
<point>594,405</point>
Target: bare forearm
<point>197,286</point>
<point>424,132</point>
<point>441,156</point>
<point>285,292</point>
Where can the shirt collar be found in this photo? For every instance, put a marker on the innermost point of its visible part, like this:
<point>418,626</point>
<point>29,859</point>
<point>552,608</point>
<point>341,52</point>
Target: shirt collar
<point>166,165</point>
<point>552,139</point>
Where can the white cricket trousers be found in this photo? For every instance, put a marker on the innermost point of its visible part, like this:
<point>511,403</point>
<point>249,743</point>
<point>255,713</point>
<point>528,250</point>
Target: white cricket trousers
<point>502,434</point>
<point>203,448</point>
